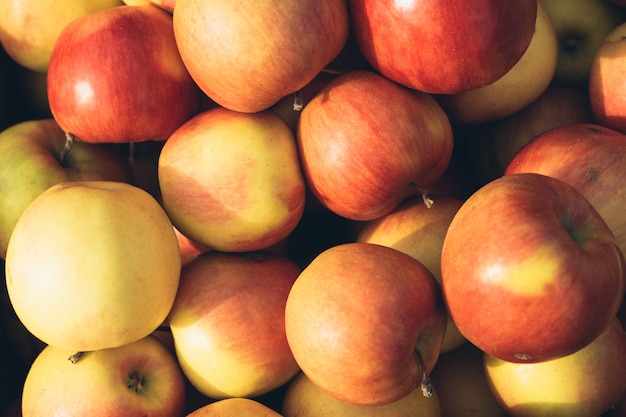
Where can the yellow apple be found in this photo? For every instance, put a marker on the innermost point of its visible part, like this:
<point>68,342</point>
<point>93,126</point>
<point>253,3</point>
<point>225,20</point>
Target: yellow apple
<point>460,381</point>
<point>234,407</point>
<point>141,378</point>
<point>29,28</point>
<point>520,86</point>
<point>92,265</point>
<point>305,399</point>
<point>583,384</point>
<point>419,231</point>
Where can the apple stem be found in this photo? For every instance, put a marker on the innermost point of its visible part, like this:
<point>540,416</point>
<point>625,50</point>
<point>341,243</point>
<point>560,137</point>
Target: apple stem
<point>69,142</point>
<point>298,104</point>
<point>426,384</point>
<point>76,357</point>
<point>427,200</point>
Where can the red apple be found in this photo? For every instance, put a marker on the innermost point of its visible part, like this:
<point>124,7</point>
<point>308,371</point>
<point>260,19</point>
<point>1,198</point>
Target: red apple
<point>530,271</point>
<point>33,158</point>
<point>231,181</point>
<point>228,323</point>
<point>440,46</point>
<point>607,81</point>
<point>365,322</point>
<point>248,56</point>
<point>367,143</point>
<point>117,76</point>
<point>587,156</point>
<point>586,383</point>
<point>141,378</point>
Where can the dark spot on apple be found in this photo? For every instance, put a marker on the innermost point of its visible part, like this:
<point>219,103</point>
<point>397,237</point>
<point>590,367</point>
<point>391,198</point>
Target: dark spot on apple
<point>592,173</point>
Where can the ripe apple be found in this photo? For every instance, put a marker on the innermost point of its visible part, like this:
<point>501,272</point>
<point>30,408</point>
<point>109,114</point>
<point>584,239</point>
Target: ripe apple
<point>460,381</point>
<point>436,46</point>
<point>30,28</point>
<point>234,407</point>
<point>228,323</point>
<point>520,86</point>
<point>92,265</point>
<point>33,157</point>
<point>529,269</point>
<point>232,181</point>
<point>418,230</point>
<point>246,57</point>
<point>581,26</point>
<point>587,156</point>
<point>586,383</point>
<point>139,378</point>
<point>365,322</point>
<point>493,144</point>
<point>116,76</point>
<point>367,143</point>
<point>607,88</point>
<point>304,398</point>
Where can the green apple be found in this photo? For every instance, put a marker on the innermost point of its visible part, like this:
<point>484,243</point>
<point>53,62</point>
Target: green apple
<point>584,384</point>
<point>141,378</point>
<point>581,26</point>
<point>32,158</point>
<point>92,265</point>
<point>29,28</point>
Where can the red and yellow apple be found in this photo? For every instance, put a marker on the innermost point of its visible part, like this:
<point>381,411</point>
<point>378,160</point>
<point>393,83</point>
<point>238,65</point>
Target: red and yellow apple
<point>92,265</point>
<point>530,271</point>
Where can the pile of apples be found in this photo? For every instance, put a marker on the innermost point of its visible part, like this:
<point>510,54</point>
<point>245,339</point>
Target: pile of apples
<point>313,208</point>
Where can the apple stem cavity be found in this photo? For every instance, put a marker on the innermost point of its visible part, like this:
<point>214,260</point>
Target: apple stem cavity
<point>76,357</point>
<point>69,142</point>
<point>298,104</point>
<point>425,383</point>
<point>134,382</point>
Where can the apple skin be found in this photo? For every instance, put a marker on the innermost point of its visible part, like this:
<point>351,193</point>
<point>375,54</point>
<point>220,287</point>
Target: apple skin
<point>587,156</point>
<point>228,323</point>
<point>494,144</point>
<point>99,384</point>
<point>530,271</point>
<point>384,299</point>
<point>418,230</point>
<point>520,86</point>
<point>30,28</point>
<point>234,407</point>
<point>607,87</point>
<point>232,181</point>
<point>367,134</point>
<point>305,399</point>
<point>586,383</point>
<point>418,43</point>
<point>246,62</point>
<point>31,161</point>
<point>63,290</point>
<point>103,71</point>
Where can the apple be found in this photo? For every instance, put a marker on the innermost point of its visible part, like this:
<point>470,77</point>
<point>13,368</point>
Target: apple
<point>587,156</point>
<point>30,28</point>
<point>228,323</point>
<point>247,57</point>
<point>231,181</point>
<point>443,47</point>
<point>418,230</point>
<point>581,26</point>
<point>529,269</point>
<point>33,157</point>
<point>460,381</point>
<point>520,86</point>
<point>585,383</point>
<point>117,76</point>
<point>365,323</point>
<point>234,407</point>
<point>607,88</point>
<point>139,378</point>
<point>367,143</point>
<point>492,145</point>
<point>304,398</point>
<point>92,265</point>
